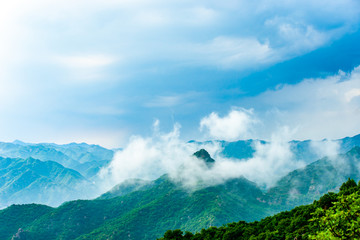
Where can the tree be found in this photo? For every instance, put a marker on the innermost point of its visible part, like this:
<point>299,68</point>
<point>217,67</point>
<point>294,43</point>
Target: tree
<point>341,221</point>
<point>173,235</point>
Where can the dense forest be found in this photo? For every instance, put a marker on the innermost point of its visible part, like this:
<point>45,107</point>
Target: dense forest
<point>333,216</point>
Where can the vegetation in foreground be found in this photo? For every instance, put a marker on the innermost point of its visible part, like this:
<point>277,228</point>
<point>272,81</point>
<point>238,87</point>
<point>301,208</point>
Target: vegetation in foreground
<point>333,216</point>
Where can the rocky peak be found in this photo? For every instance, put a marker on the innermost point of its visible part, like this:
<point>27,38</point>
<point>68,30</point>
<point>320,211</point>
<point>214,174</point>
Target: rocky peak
<point>203,155</point>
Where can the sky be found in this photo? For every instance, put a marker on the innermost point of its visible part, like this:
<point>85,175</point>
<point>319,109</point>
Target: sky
<point>103,71</point>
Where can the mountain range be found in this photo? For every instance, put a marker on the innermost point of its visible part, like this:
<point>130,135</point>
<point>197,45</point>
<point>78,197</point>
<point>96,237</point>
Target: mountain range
<point>49,173</point>
<point>146,209</point>
<point>84,158</point>
<point>31,180</point>
<point>307,150</point>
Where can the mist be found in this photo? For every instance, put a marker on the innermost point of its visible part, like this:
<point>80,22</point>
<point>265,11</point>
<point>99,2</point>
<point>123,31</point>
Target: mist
<point>166,153</point>
<point>328,148</point>
<point>148,158</point>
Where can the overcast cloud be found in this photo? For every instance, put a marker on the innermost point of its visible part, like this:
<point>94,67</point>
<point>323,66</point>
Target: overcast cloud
<point>71,69</point>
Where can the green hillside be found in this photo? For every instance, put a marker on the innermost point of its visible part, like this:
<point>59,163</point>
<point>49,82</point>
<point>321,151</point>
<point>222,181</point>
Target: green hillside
<point>155,210</point>
<point>302,186</point>
<point>333,216</point>
<point>177,208</point>
<point>18,215</point>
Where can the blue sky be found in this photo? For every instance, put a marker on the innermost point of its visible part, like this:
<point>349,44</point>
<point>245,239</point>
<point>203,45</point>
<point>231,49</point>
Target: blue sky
<point>101,71</point>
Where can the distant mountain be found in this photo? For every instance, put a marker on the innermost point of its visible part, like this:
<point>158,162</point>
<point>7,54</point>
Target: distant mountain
<point>302,186</point>
<point>87,159</point>
<point>31,180</point>
<point>348,143</point>
<point>307,150</point>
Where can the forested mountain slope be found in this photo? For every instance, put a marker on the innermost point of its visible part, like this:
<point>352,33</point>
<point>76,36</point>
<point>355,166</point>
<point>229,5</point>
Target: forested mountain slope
<point>333,216</point>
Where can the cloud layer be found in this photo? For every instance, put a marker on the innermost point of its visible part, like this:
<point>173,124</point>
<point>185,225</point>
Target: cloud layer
<point>62,63</point>
<point>165,153</point>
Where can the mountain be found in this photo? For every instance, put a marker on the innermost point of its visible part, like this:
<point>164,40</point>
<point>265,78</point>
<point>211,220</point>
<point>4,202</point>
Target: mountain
<point>304,185</point>
<point>23,214</point>
<point>84,158</point>
<point>143,210</point>
<point>307,150</point>
<point>304,222</point>
<point>349,142</point>
<point>145,214</point>
<point>203,155</point>
<point>242,149</point>
<point>126,187</point>
<point>88,159</point>
<point>31,180</point>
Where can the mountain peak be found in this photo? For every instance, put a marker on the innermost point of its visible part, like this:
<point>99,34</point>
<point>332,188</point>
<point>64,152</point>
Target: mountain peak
<point>18,142</point>
<point>203,155</point>
<point>355,151</point>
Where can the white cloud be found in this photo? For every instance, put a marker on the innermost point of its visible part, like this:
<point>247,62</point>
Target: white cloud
<point>146,32</point>
<point>270,162</point>
<point>231,53</point>
<point>349,95</point>
<point>86,68</point>
<point>328,148</point>
<point>284,29</point>
<point>89,61</point>
<point>164,101</point>
<point>318,108</point>
<point>234,126</point>
<point>172,100</point>
<point>149,158</point>
<point>298,36</point>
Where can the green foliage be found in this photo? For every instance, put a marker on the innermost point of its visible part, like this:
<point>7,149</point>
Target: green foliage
<point>17,216</point>
<point>342,220</point>
<point>327,200</point>
<point>334,216</point>
<point>348,187</point>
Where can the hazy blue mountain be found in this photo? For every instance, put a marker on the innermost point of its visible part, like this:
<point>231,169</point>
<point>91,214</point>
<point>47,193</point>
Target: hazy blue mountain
<point>306,150</point>
<point>83,152</point>
<point>85,158</point>
<point>34,181</point>
<point>348,143</point>
<point>242,149</point>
